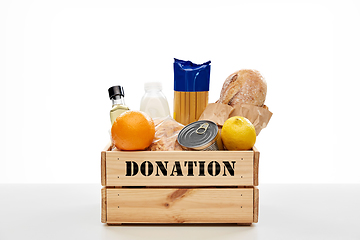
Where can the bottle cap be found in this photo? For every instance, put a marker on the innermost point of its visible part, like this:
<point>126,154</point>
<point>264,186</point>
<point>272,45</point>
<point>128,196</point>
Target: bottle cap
<point>116,90</point>
<point>153,85</point>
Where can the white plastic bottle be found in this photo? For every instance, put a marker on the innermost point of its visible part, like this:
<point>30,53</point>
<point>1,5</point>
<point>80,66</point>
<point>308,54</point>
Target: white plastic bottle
<point>154,101</point>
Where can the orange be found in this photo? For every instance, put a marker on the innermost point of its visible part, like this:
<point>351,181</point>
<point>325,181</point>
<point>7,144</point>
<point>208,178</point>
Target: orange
<point>133,130</point>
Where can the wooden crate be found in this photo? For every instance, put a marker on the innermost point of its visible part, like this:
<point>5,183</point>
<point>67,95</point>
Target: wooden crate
<point>179,186</point>
<point>180,205</point>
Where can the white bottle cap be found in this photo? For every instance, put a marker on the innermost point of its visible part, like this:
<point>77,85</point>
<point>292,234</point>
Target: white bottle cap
<point>153,85</point>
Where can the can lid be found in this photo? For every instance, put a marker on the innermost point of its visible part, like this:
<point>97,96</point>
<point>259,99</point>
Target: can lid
<point>116,90</point>
<point>198,135</point>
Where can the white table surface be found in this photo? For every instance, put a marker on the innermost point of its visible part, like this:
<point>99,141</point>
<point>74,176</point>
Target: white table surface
<point>291,211</point>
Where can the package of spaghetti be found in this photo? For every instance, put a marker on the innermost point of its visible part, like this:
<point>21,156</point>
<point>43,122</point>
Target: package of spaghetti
<point>191,90</point>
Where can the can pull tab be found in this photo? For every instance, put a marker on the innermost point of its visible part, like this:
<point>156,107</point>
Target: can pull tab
<point>203,126</point>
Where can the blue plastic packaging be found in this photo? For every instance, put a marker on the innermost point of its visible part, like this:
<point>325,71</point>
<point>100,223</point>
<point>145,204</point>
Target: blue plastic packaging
<point>191,77</point>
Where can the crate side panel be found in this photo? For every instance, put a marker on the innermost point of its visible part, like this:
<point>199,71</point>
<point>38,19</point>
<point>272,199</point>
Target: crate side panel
<point>208,168</point>
<point>256,166</point>
<point>171,205</point>
<point>103,168</point>
<point>256,204</point>
<point>103,205</point>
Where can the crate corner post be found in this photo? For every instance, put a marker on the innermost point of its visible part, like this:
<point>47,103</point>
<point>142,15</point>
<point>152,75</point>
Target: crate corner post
<point>103,205</point>
<point>256,166</point>
<point>256,205</point>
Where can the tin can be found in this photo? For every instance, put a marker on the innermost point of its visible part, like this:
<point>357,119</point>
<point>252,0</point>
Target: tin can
<point>201,136</point>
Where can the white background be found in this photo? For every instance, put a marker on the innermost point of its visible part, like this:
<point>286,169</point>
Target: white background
<point>58,58</point>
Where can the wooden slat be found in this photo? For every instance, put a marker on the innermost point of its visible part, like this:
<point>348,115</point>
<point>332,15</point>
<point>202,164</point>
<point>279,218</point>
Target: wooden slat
<point>256,166</point>
<point>171,205</point>
<point>256,204</point>
<point>103,168</point>
<point>103,205</point>
<point>103,163</point>
<point>243,168</point>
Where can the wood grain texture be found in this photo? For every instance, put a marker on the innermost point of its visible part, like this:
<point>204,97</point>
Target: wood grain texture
<point>103,168</point>
<point>171,205</point>
<point>103,205</point>
<point>103,163</point>
<point>115,171</point>
<point>256,166</point>
<point>256,204</point>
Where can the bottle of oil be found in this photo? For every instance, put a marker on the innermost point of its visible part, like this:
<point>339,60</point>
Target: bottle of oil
<point>116,95</point>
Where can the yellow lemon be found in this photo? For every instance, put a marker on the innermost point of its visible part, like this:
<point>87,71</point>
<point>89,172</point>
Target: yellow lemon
<point>238,133</point>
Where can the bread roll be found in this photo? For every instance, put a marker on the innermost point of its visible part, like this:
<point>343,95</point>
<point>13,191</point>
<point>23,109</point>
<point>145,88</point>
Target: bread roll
<point>244,86</point>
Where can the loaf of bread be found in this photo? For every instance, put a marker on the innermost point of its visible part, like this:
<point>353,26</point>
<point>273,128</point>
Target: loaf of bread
<point>244,86</point>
